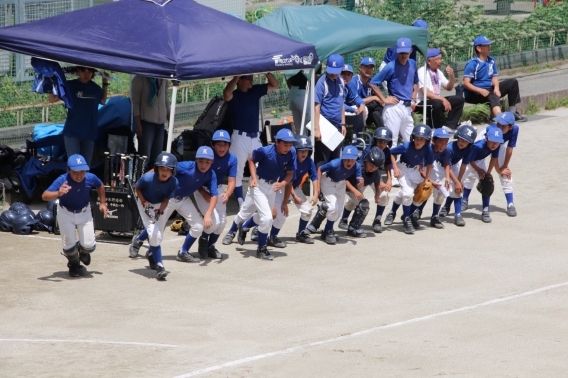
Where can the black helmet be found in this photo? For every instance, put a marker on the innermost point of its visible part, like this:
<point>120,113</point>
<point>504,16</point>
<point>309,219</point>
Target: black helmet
<point>421,130</point>
<point>303,143</point>
<point>382,133</point>
<point>52,205</point>
<point>466,132</point>
<point>23,224</point>
<point>376,157</point>
<point>46,221</point>
<point>20,208</point>
<point>7,220</point>
<point>165,159</point>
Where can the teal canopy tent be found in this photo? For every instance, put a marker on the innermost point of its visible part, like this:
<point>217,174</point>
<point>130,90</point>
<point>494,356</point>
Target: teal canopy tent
<point>337,31</point>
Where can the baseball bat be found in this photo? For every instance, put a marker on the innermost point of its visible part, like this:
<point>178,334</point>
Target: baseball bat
<point>122,168</point>
<point>106,174</point>
<point>134,167</point>
<point>110,171</point>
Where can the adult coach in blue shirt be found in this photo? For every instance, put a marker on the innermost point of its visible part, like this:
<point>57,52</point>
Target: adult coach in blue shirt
<point>481,81</point>
<point>361,84</point>
<point>329,103</point>
<point>243,105</point>
<point>80,130</point>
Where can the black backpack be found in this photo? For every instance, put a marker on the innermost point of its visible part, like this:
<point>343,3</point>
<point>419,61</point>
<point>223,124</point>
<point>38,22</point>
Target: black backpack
<point>192,140</point>
<point>213,115</point>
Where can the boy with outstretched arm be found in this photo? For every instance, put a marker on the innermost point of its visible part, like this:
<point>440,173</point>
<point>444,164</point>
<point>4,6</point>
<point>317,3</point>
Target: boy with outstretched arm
<point>332,178</point>
<point>74,212</point>
<point>265,181</point>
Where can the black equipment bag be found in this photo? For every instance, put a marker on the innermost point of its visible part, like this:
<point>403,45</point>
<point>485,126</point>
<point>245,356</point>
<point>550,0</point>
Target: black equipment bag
<point>213,115</point>
<point>192,140</point>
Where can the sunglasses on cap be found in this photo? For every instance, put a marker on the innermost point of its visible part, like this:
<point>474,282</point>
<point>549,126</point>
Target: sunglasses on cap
<point>247,77</point>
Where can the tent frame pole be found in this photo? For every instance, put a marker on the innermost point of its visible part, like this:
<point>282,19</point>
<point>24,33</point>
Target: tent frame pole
<point>312,112</point>
<point>425,101</point>
<point>172,115</point>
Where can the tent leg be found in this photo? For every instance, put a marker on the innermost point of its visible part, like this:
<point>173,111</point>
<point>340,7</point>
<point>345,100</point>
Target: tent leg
<point>312,111</point>
<point>304,109</point>
<point>172,116</point>
<point>424,89</point>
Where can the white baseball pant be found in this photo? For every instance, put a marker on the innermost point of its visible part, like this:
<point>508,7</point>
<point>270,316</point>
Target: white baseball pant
<point>351,202</point>
<point>305,208</point>
<point>506,184</point>
<point>470,176</point>
<point>408,181</point>
<point>242,147</point>
<point>334,194</point>
<point>155,230</point>
<point>261,199</point>
<point>185,207</point>
<point>217,224</point>
<point>456,169</point>
<point>398,119</point>
<point>83,222</point>
<point>437,175</point>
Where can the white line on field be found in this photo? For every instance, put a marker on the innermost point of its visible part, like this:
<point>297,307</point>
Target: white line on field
<point>352,335</point>
<point>93,342</point>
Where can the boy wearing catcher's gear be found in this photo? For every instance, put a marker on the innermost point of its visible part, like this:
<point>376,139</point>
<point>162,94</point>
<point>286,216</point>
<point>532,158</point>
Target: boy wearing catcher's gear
<point>332,178</point>
<point>440,172</point>
<point>418,152</point>
<point>266,165</point>
<point>506,122</point>
<point>74,212</point>
<point>372,161</point>
<point>476,169</point>
<point>154,190</point>
<point>224,164</point>
<point>459,160</point>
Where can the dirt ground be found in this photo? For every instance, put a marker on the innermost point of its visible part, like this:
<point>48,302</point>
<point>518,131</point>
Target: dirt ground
<point>483,300</point>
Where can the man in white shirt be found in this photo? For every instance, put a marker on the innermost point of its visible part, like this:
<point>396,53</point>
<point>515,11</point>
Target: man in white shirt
<point>436,104</point>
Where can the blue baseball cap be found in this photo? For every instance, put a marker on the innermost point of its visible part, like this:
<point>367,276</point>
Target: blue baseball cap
<point>366,61</point>
<point>433,52</point>
<point>505,118</point>
<point>403,45</point>
<point>286,135</point>
<point>349,152</point>
<point>335,64</point>
<point>441,133</point>
<point>221,135</point>
<point>420,24</point>
<point>347,67</point>
<point>494,134</point>
<point>482,40</point>
<point>204,152</point>
<point>77,163</point>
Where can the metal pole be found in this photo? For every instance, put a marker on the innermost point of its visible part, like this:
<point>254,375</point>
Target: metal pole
<point>302,128</point>
<point>425,98</point>
<point>261,107</point>
<point>312,111</point>
<point>172,115</point>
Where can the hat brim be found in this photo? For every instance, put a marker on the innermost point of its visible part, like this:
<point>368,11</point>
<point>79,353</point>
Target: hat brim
<point>346,157</point>
<point>287,139</point>
<point>493,139</point>
<point>403,50</point>
<point>346,71</point>
<point>200,156</point>
<point>333,70</point>
<point>84,167</point>
<point>484,43</point>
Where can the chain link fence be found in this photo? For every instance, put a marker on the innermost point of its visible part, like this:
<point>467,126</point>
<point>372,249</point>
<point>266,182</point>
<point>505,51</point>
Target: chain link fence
<point>524,36</point>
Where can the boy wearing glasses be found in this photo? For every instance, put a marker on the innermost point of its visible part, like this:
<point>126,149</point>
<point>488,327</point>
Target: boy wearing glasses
<point>481,81</point>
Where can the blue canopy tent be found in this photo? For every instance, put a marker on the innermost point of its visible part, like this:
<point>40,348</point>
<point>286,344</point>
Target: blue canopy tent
<point>171,39</point>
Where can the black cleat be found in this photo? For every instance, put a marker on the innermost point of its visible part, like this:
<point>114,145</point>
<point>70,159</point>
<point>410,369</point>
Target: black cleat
<point>343,224</point>
<point>444,212</point>
<point>75,269</point>
<point>304,237</point>
<point>254,234</point>
<point>241,234</point>
<point>214,253</point>
<point>262,253</point>
<point>390,218</point>
<point>435,222</point>
<point>356,233</point>
<point>329,237</point>
<point>85,258</point>
<point>187,257</point>
<point>377,226</point>
<point>275,242</point>
<point>414,221</point>
<point>408,228</point>
<point>228,239</point>
<point>161,272</point>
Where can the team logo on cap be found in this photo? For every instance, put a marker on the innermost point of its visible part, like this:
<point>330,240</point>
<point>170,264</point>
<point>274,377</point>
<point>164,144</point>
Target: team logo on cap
<point>79,161</point>
<point>402,44</point>
<point>289,133</point>
<point>422,130</point>
<point>384,132</point>
<point>304,141</point>
<point>334,64</point>
<point>221,133</point>
<point>496,133</point>
<point>205,151</point>
<point>349,150</point>
<point>468,132</point>
<point>164,159</point>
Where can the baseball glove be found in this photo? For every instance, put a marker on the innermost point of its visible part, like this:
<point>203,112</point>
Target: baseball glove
<point>176,226</point>
<point>486,185</point>
<point>422,192</point>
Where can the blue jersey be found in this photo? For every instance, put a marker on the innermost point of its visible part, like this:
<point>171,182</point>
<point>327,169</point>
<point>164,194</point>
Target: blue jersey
<point>386,151</point>
<point>224,166</point>
<point>480,72</point>
<point>244,107</point>
<point>271,165</point>
<point>363,90</point>
<point>400,79</point>
<point>510,137</point>
<point>190,179</point>
<point>412,157</point>
<point>155,191</point>
<point>337,172</point>
<point>391,55</point>
<point>442,157</point>
<point>83,118</point>
<point>330,94</point>
<point>352,97</point>
<point>480,151</point>
<point>78,196</point>
<point>307,166</point>
<point>456,154</point>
